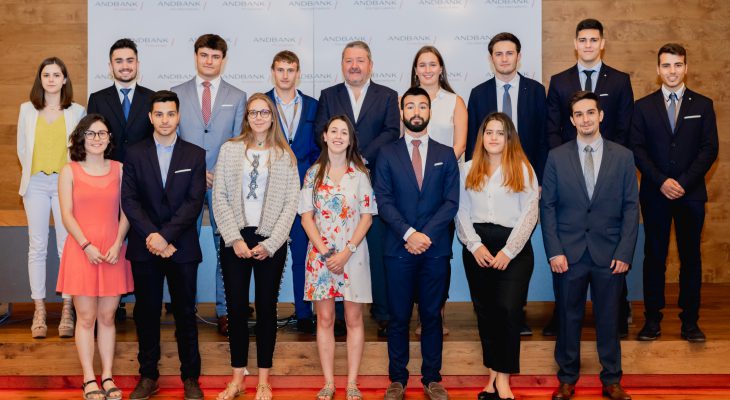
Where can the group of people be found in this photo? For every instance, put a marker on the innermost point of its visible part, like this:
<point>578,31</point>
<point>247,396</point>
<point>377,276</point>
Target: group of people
<point>367,189</point>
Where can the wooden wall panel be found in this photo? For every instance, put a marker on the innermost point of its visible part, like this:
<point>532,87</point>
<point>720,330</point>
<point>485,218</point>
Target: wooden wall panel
<point>635,29</point>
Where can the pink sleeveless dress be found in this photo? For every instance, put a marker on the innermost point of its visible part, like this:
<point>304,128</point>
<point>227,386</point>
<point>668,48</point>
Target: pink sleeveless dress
<point>96,206</point>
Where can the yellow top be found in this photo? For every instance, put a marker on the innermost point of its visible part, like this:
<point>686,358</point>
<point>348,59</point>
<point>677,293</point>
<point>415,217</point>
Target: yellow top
<point>50,148</point>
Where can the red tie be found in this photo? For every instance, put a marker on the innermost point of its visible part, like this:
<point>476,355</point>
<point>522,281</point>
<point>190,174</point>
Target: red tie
<point>416,161</point>
<point>206,102</point>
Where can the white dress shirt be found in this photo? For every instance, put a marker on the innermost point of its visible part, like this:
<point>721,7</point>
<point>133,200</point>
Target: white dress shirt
<point>357,104</point>
<point>121,95</point>
<point>597,146</point>
<point>514,92</point>
<point>214,85</point>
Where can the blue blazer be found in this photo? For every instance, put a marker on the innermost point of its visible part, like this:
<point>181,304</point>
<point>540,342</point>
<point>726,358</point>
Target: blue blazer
<point>378,123</point>
<point>402,205</point>
<point>124,133</point>
<point>607,224</point>
<point>531,113</point>
<point>306,143</point>
<point>685,154</point>
<point>613,88</point>
<point>173,210</point>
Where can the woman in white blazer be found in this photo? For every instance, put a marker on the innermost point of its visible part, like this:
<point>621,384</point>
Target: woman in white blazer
<point>44,125</point>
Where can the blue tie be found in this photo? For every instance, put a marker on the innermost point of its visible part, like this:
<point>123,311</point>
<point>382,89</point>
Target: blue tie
<point>507,101</point>
<point>672,111</point>
<point>126,104</point>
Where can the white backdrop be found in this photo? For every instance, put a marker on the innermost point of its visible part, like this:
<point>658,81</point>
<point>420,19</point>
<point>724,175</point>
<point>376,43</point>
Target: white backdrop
<point>316,30</point>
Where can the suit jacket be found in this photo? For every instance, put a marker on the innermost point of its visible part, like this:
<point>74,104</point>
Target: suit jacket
<point>27,120</point>
<point>225,122</point>
<point>607,224</point>
<point>172,210</point>
<point>531,113</point>
<point>613,88</point>
<point>685,154</point>
<point>306,143</point>
<point>402,205</point>
<point>124,132</point>
<point>378,123</point>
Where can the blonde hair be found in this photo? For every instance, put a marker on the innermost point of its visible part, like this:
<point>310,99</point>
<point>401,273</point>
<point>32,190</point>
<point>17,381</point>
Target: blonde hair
<point>274,137</point>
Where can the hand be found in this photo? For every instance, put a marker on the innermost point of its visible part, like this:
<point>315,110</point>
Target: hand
<point>418,242</point>
<point>112,256</point>
<point>671,189</point>
<point>500,261</point>
<point>168,252</point>
<point>483,256</point>
<point>559,264</point>
<point>93,254</point>
<point>259,252</point>
<point>336,262</point>
<point>619,267</point>
<point>241,250</point>
<point>156,244</point>
<point>412,250</point>
<point>209,179</point>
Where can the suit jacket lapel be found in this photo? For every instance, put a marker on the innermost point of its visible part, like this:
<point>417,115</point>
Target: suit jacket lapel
<point>604,169</point>
<point>686,104</point>
<point>575,161</point>
<point>430,161</point>
<point>661,110</point>
<point>219,100</point>
<point>192,96</point>
<point>303,109</point>
<point>155,163</point>
<point>344,99</point>
<point>115,105</point>
<point>177,156</point>
<point>137,106</point>
<point>574,80</point>
<point>369,100</point>
<point>491,96</point>
<point>406,160</point>
<point>601,78</point>
<point>522,110</point>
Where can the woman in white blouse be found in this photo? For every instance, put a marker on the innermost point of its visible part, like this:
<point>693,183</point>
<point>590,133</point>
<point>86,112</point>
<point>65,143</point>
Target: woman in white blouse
<point>498,210</point>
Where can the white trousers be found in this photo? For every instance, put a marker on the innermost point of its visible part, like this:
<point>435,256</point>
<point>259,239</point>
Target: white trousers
<point>39,200</point>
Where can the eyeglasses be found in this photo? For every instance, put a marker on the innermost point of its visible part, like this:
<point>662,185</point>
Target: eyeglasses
<point>265,114</point>
<point>101,135</point>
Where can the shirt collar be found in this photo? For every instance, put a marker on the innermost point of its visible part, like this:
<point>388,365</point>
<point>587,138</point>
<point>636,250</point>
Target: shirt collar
<point>596,143</point>
<point>213,82</point>
<point>364,87</point>
<point>515,82</point>
<point>409,138</point>
<point>159,145</point>
<point>297,99</point>
<point>119,87</point>
<point>666,92</point>
<point>596,68</point>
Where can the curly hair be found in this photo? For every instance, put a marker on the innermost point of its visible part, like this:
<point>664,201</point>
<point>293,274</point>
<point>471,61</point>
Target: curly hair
<point>77,140</point>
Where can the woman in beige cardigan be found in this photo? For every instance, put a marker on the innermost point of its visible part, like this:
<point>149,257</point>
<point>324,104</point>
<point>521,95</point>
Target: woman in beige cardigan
<point>255,195</point>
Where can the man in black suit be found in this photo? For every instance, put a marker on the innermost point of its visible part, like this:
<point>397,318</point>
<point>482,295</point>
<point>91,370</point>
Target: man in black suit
<point>525,105</point>
<point>614,92</point>
<point>125,103</point>
<point>674,138</point>
<point>373,110</point>
<point>162,192</point>
<point>589,215</point>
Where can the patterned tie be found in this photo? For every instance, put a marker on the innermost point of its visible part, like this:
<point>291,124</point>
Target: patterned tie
<point>672,111</point>
<point>589,171</point>
<point>589,81</point>
<point>126,104</point>
<point>507,101</point>
<point>417,164</point>
<point>206,102</point>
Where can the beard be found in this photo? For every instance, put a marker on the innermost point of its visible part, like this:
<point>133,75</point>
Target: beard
<point>123,80</point>
<point>415,127</point>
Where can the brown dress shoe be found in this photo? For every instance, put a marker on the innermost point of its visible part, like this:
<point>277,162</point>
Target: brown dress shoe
<point>223,325</point>
<point>435,391</point>
<point>564,391</point>
<point>145,388</point>
<point>615,392</point>
<point>395,391</point>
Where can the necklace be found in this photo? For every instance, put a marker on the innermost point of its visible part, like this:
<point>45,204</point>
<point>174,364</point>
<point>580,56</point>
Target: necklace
<point>260,144</point>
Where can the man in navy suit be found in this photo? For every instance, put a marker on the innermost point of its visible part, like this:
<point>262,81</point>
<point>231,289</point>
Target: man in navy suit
<point>674,138</point>
<point>373,110</point>
<point>211,112</point>
<point>297,113</point>
<point>525,101</point>
<point>162,192</point>
<point>614,92</point>
<point>417,190</point>
<point>589,215</point>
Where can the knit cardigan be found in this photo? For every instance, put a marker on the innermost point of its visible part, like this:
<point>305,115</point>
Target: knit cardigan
<point>280,196</point>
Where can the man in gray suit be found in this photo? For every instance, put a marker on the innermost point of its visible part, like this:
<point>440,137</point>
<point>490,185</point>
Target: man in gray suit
<point>590,217</point>
<point>211,112</point>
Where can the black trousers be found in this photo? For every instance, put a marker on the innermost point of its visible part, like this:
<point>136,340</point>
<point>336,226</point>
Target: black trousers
<point>689,217</point>
<point>498,297</point>
<point>182,281</point>
<point>236,280</point>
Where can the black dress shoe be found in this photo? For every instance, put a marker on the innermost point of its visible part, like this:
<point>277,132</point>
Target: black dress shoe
<point>651,331</point>
<point>623,329</point>
<point>486,396</point>
<point>306,325</point>
<point>340,328</point>
<point>525,330</point>
<point>693,334</point>
<point>551,329</point>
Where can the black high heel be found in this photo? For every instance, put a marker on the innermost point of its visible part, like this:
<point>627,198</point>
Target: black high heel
<point>484,395</point>
<point>497,395</point>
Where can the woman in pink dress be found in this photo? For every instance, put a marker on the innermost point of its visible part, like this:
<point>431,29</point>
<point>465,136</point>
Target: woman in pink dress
<point>93,268</point>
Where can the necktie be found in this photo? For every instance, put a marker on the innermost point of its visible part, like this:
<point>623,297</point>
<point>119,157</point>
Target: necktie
<point>507,101</point>
<point>417,163</point>
<point>126,104</point>
<point>672,111</point>
<point>589,81</point>
<point>206,102</point>
<point>589,171</point>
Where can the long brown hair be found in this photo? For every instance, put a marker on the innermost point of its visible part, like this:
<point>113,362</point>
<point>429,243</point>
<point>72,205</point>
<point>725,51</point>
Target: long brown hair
<point>443,76</point>
<point>352,154</point>
<point>274,137</point>
<point>37,93</point>
<point>513,158</point>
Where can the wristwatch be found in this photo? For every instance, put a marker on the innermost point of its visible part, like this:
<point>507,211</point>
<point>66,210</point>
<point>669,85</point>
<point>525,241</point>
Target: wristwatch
<point>352,247</point>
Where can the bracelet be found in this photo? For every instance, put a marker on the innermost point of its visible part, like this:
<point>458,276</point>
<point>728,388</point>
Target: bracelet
<point>327,255</point>
<point>85,245</point>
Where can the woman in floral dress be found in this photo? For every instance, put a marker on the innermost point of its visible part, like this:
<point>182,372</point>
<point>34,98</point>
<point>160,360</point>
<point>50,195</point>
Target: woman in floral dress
<point>336,205</point>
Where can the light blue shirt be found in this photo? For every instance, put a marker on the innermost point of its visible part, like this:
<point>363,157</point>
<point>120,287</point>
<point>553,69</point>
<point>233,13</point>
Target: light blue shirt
<point>164,155</point>
<point>288,114</point>
<point>594,77</point>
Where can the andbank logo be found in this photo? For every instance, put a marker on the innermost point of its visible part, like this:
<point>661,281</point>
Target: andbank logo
<point>390,77</point>
<point>313,4</point>
<point>175,76</point>
<point>102,76</point>
<point>182,5</point>
<point>378,4</point>
<point>230,41</point>
<point>476,38</point>
<point>344,39</point>
<point>442,3</point>
<point>249,5</point>
<point>277,40</point>
<point>154,41</point>
<point>118,5</point>
<point>457,76</point>
<point>246,77</point>
<point>322,78</point>
<point>412,38</point>
<point>510,3</point>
